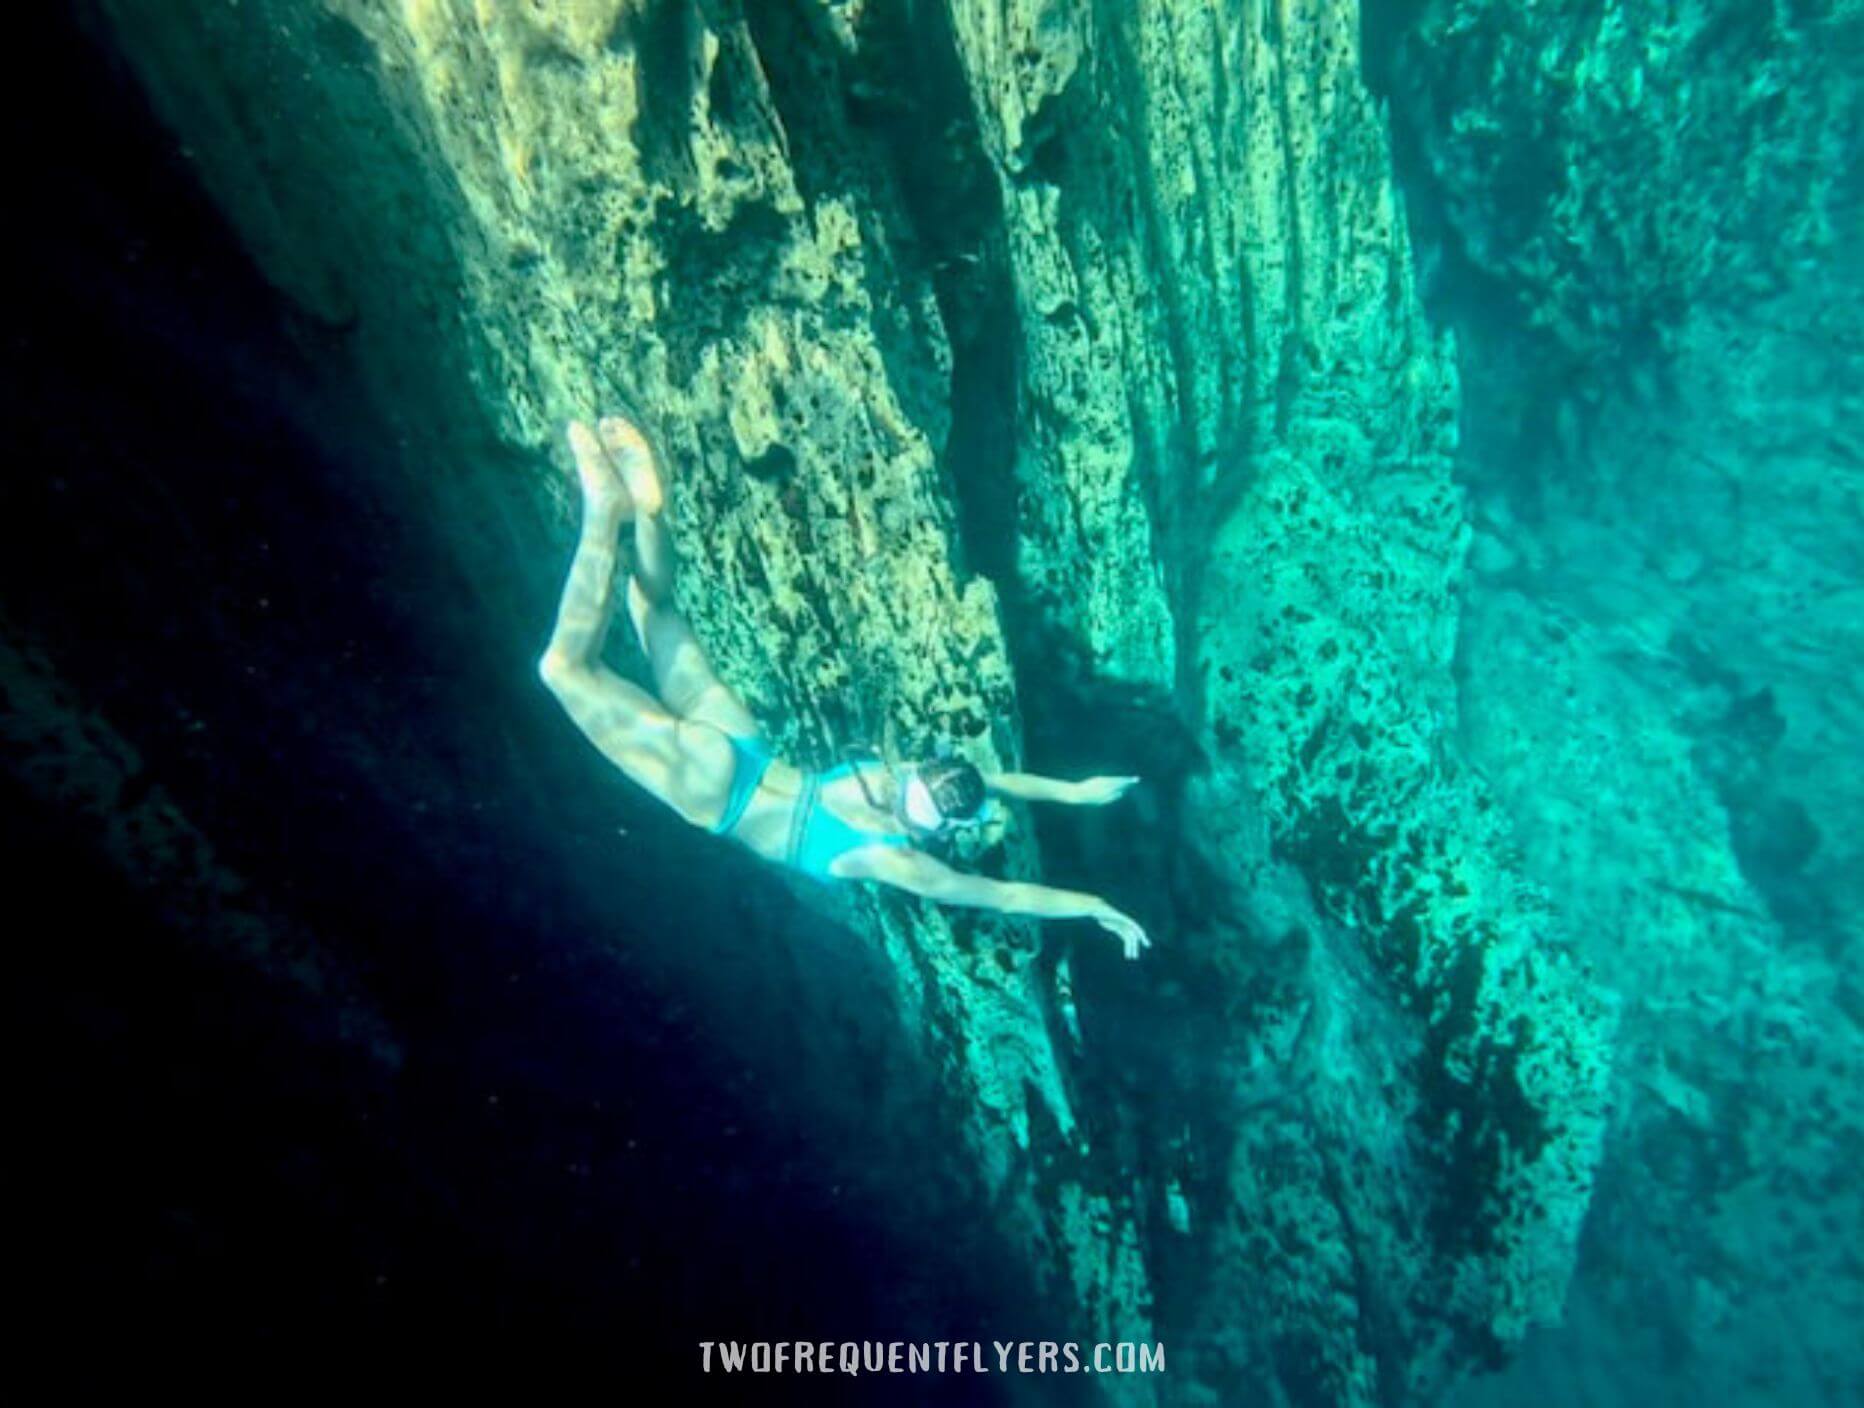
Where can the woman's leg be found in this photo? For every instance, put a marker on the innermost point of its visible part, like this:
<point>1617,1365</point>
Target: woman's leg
<point>628,724</point>
<point>683,676</point>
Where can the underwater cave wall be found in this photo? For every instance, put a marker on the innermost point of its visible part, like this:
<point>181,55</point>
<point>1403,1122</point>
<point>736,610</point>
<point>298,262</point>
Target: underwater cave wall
<point>1643,220</point>
<point>1008,359</point>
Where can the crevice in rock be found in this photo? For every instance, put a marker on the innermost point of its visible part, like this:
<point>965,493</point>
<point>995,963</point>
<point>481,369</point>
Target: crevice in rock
<point>807,79</point>
<point>665,34</point>
<point>1455,289</point>
<point>951,197</point>
<point>715,279</point>
<point>902,100</point>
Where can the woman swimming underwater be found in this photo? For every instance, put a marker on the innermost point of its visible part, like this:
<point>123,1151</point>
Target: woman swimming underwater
<point>697,748</point>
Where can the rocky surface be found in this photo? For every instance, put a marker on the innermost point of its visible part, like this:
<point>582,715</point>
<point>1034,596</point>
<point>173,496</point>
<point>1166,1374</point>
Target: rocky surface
<point>1639,214</point>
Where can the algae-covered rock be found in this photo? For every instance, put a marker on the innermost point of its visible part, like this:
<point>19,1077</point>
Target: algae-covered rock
<point>1048,364</point>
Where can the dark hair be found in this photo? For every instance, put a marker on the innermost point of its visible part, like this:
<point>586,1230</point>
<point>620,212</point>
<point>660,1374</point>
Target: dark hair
<point>956,786</point>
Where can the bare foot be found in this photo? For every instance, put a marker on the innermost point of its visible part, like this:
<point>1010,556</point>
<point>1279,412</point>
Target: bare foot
<point>602,484</point>
<point>629,449</point>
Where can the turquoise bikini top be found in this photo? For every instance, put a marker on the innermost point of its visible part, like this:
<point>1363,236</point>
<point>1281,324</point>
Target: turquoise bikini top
<point>817,836</point>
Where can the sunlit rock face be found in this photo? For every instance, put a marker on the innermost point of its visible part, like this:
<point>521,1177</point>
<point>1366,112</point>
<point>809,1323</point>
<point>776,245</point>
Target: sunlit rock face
<point>1051,379</point>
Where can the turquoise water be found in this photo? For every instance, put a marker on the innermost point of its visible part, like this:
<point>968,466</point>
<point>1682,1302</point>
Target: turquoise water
<point>1421,445</point>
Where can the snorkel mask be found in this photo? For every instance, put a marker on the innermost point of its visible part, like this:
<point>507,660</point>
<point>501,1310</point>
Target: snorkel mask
<point>916,803</point>
<point>920,809</point>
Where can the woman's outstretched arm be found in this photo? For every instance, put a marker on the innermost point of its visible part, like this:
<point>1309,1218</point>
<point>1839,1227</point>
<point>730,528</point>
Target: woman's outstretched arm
<point>1088,792</point>
<point>921,874</point>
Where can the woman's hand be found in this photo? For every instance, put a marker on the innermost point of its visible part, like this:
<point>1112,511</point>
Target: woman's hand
<point>1098,791</point>
<point>1123,927</point>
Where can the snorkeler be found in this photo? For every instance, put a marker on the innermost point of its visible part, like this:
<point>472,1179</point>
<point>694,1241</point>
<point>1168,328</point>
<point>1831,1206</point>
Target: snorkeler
<point>697,748</point>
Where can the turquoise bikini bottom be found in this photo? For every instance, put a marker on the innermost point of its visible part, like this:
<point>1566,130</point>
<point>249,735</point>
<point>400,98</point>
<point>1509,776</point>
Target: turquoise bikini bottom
<point>750,761</point>
<point>817,836</point>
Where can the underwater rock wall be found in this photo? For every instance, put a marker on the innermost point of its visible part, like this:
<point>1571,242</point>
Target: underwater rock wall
<point>1640,215</point>
<point>1056,365</point>
<point>1216,285</point>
